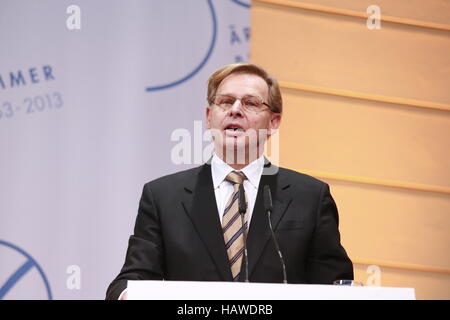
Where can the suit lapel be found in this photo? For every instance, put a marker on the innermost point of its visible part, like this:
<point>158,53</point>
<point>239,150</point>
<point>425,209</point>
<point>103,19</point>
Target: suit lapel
<point>259,232</point>
<point>199,202</point>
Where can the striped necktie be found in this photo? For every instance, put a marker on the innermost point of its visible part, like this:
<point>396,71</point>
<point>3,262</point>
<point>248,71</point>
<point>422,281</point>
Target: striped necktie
<point>232,225</point>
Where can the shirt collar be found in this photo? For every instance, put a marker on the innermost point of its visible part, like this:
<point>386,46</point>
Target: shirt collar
<point>220,170</point>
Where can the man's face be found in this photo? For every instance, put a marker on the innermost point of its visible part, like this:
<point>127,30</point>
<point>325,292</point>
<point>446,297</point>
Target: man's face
<point>235,129</point>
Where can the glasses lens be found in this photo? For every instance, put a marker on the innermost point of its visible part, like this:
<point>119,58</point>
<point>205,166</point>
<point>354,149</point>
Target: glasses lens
<point>224,101</point>
<point>252,103</point>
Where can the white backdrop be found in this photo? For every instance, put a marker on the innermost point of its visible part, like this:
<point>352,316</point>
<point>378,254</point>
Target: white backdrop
<point>86,117</point>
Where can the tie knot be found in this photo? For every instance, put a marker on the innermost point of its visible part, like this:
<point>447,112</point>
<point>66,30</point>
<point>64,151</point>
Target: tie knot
<point>236,177</point>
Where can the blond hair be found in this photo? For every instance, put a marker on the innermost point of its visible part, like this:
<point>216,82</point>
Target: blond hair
<point>275,100</point>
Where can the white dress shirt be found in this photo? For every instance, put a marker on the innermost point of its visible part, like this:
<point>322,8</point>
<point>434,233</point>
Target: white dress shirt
<point>224,189</point>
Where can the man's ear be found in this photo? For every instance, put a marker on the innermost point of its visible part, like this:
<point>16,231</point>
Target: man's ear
<point>207,124</point>
<point>275,122</point>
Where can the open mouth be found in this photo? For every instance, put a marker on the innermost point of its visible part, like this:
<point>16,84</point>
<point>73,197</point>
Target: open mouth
<point>234,130</point>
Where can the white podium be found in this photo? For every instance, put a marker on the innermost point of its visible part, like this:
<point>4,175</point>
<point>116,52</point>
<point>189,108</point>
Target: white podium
<point>191,290</point>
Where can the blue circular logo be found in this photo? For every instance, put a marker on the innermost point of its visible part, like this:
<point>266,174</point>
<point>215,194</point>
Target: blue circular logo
<point>202,62</point>
<point>242,3</point>
<point>15,278</point>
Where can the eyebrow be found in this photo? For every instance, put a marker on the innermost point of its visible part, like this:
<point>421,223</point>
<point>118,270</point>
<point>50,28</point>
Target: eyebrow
<point>234,96</point>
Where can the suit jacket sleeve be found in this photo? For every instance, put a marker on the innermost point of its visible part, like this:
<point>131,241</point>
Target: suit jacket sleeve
<point>327,259</point>
<point>144,258</point>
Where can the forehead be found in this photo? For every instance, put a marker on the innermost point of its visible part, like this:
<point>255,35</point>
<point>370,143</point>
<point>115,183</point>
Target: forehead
<point>242,84</point>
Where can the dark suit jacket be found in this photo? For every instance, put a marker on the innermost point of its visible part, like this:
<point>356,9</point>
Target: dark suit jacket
<point>178,234</point>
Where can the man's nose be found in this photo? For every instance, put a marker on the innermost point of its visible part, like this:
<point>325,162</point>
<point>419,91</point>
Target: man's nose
<point>237,108</point>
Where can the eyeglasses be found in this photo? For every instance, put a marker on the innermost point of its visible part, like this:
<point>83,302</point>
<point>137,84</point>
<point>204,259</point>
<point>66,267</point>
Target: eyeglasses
<point>249,103</point>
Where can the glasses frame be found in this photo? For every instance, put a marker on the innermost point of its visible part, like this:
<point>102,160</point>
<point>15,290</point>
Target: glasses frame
<point>242,105</point>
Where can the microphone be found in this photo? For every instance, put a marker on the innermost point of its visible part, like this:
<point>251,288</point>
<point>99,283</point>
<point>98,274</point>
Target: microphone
<point>268,208</point>
<point>242,204</point>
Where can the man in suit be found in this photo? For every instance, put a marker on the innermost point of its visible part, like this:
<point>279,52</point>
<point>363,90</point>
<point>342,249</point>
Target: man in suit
<point>190,225</point>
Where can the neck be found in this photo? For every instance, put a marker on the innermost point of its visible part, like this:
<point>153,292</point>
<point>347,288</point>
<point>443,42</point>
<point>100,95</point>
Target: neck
<point>238,160</point>
<point>237,166</point>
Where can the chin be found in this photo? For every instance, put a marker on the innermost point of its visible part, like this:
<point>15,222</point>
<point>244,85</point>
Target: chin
<point>232,143</point>
<point>236,150</point>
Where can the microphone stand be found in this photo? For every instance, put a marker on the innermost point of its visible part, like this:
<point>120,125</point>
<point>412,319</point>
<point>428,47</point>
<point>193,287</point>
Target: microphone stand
<point>268,206</point>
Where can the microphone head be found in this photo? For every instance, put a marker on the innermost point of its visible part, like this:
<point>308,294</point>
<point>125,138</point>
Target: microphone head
<point>241,200</point>
<point>267,198</point>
